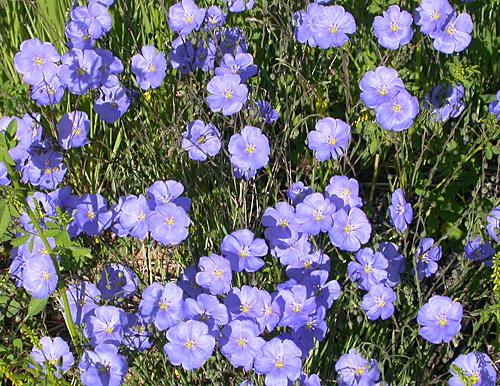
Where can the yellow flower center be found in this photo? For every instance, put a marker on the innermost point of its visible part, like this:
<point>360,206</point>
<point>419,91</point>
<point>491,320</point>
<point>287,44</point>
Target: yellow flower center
<point>250,149</point>
<point>473,379</point>
<point>218,273</point>
<point>44,251</point>
<point>269,311</point>
<point>189,18</point>
<point>189,344</point>
<point>347,229</point>
<point>436,15</point>
<point>170,222</point>
<point>334,29</point>
<point>243,253</point>
<point>245,309</point>
<point>442,321</point>
<point>360,371</point>
<point>48,171</point>
<point>279,364</point>
<point>51,91</point>
<point>396,108</point>
<point>86,38</point>
<point>307,264</point>
<point>90,215</point>
<point>228,94</point>
<point>152,68</point>
<point>46,276</point>
<point>450,30</point>
<point>53,362</point>
<point>201,139</point>
<point>38,61</point>
<point>142,217</point>
<point>346,192</point>
<point>163,306</point>
<point>80,71</point>
<point>109,330</point>
<point>380,303</point>
<point>382,91</point>
<point>332,141</point>
<point>367,269</point>
<point>318,216</point>
<point>297,308</point>
<point>242,342</point>
<point>394,27</point>
<point>284,223</point>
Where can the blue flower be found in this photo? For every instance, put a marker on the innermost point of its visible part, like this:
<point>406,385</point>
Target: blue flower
<point>281,225</point>
<point>92,215</point>
<point>426,258</point>
<point>297,192</point>
<point>83,298</point>
<point>476,250</point>
<point>267,113</point>
<point>401,213</point>
<point>279,361</point>
<point>117,281</point>
<point>103,366</point>
<point>394,28</point>
<point>201,140</point>
<point>149,67</point>
<point>185,17</point>
<point>398,113</point>
<point>244,251</point>
<point>207,309</point>
<point>353,370</point>
<point>330,139</point>
<point>477,369</point>
<point>73,128</point>
<point>350,229</point>
<point>343,192</point>
<point>380,86</point>
<point>249,151</point>
<point>190,344</point>
<point>453,35</point>
<point>133,216</point>
<point>162,304</point>
<point>79,71</point>
<point>377,303</point>
<point>39,277</point>
<point>330,29</point>
<point>106,325</point>
<point>297,306</point>
<point>431,14</point>
<point>165,192</point>
<point>240,343</point>
<point>112,102</point>
<point>445,102</point>
<point>314,214</point>
<point>369,269</point>
<point>215,274</point>
<point>244,303</point>
<point>55,353</point>
<point>36,61</point>
<point>227,94</point>
<point>440,319</point>
<point>493,227</point>
<point>240,64</point>
<point>168,224</point>
<point>136,336</point>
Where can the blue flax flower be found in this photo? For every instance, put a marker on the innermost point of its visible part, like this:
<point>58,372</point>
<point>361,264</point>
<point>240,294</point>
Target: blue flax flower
<point>44,169</point>
<point>379,86</point>
<point>240,343</point>
<point>183,55</point>
<point>244,251</point>
<point>55,353</point>
<point>106,325</point>
<point>493,227</point>
<point>398,113</point>
<point>112,102</point>
<point>271,311</point>
<point>298,192</point>
<point>439,319</point>
<point>215,17</point>
<point>73,128</point>
<point>267,113</point>
<point>187,281</point>
<point>314,214</point>
<point>401,213</point>
<point>314,330</point>
<point>117,281</point>
<point>281,225</point>
<point>162,304</point>
<point>476,367</point>
<point>201,141</point>
<point>190,344</point>
<point>215,274</point>
<point>95,17</point>
<point>306,263</point>
<point>227,94</point>
<point>350,229</point>
<point>396,263</point>
<point>36,61</point>
<point>165,192</point>
<point>304,21</point>
<point>240,64</point>
<point>454,34</point>
<point>476,250</point>
<point>149,67</point>
<point>279,361</point>
<point>329,139</point>
<point>249,151</point>
<point>239,5</point>
<point>48,92</point>
<point>393,29</point>
<point>354,370</point>
<point>103,367</point>
<point>82,298</point>
<point>244,303</point>
<point>40,277</point>
<point>431,14</point>
<point>494,106</point>
<point>92,215</point>
<point>330,29</point>
<point>207,309</point>
<point>168,224</point>
<point>378,302</point>
<point>133,216</point>
<point>369,269</point>
<point>343,192</point>
<point>79,71</point>
<point>427,257</point>
<point>297,306</point>
<point>184,17</point>
<point>445,102</point>
<point>136,336</point>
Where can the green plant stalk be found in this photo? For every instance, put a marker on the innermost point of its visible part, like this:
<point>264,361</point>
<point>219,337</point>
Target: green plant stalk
<point>60,283</point>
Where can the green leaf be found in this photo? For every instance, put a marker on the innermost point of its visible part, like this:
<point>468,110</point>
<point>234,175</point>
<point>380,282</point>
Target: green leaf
<point>80,251</point>
<point>20,240</point>
<point>4,216</point>
<point>36,306</point>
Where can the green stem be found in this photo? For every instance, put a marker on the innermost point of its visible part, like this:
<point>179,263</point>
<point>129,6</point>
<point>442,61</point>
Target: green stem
<point>60,282</point>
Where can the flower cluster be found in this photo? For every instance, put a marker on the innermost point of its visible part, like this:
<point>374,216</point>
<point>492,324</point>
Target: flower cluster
<point>450,32</point>
<point>383,91</point>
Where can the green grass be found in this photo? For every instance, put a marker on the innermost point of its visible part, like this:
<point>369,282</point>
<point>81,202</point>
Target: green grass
<point>449,172</point>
